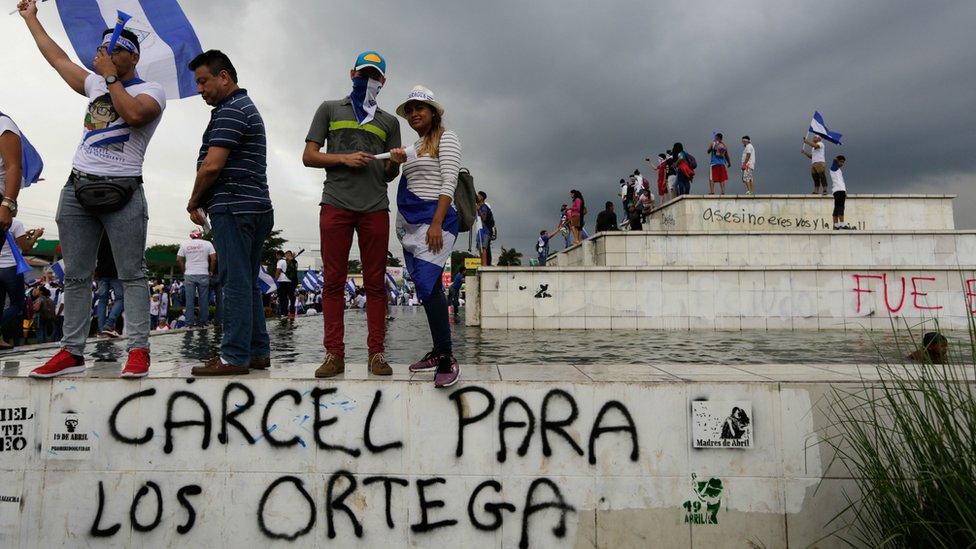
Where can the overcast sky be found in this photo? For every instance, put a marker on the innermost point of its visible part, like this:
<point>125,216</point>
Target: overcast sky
<point>548,96</point>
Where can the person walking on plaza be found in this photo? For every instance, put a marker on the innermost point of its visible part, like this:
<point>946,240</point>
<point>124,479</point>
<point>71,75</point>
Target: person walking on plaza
<point>454,294</point>
<point>719,162</point>
<point>748,165</point>
<point>818,163</point>
<point>354,199</point>
<point>12,284</point>
<point>232,188</point>
<point>427,222</point>
<point>108,288</point>
<point>286,273</point>
<point>197,258</point>
<point>486,230</point>
<point>122,115</point>
<point>839,190</point>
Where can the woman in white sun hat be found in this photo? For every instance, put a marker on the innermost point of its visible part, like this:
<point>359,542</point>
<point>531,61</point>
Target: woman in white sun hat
<point>427,223</point>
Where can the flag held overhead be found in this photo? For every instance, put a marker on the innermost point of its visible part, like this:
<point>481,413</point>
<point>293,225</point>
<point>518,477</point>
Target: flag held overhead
<point>167,41</point>
<point>819,127</point>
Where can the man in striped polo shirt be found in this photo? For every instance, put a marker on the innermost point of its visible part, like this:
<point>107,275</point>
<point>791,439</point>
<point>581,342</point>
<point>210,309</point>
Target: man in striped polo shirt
<point>354,200</point>
<point>232,188</point>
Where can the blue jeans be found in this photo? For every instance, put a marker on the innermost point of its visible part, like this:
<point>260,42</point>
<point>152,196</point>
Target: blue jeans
<point>683,186</point>
<point>239,240</point>
<point>80,232</point>
<point>197,289</point>
<point>12,286</point>
<point>109,319</point>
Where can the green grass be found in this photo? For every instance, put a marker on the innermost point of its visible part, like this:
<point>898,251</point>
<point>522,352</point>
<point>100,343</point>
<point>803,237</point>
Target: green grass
<point>909,442</point>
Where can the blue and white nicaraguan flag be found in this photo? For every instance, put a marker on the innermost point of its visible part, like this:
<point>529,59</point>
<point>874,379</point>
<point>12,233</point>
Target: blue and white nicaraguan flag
<point>351,287</point>
<point>312,281</point>
<point>58,270</point>
<point>266,282</point>
<point>819,127</point>
<point>167,41</point>
<point>413,220</point>
<point>31,164</point>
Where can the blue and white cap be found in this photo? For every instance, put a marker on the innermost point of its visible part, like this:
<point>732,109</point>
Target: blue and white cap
<point>371,59</point>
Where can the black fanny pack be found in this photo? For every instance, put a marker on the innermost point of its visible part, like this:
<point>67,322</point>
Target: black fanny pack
<point>101,195</point>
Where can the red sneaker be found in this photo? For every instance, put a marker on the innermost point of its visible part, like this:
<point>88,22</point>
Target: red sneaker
<point>137,365</point>
<point>59,365</point>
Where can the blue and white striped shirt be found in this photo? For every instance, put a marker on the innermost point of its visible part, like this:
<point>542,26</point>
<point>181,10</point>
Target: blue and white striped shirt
<point>242,186</point>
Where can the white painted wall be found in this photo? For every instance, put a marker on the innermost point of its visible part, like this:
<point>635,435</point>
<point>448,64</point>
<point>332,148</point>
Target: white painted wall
<point>805,213</point>
<point>729,298</point>
<point>52,498</point>
<point>835,249</point>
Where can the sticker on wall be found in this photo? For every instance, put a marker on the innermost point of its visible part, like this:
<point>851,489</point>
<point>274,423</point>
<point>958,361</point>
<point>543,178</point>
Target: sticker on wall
<point>71,437</point>
<point>16,427</point>
<point>726,424</point>
<point>704,506</point>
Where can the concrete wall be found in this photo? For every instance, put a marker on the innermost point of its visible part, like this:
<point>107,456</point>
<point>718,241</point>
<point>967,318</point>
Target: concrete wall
<point>259,462</point>
<point>806,213</point>
<point>835,249</point>
<point>730,298</point>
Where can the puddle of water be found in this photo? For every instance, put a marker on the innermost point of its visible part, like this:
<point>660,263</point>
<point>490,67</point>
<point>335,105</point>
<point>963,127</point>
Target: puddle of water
<point>300,342</point>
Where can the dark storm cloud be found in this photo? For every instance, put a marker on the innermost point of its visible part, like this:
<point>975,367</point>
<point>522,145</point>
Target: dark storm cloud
<point>548,96</point>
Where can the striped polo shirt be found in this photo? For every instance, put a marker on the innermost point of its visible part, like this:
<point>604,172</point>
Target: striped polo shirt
<point>242,186</point>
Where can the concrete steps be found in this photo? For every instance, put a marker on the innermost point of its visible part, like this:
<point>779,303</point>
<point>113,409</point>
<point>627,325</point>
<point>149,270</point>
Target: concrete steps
<point>771,249</point>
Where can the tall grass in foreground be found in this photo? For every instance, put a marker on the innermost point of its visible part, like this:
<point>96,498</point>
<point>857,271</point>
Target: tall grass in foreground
<point>909,441</point>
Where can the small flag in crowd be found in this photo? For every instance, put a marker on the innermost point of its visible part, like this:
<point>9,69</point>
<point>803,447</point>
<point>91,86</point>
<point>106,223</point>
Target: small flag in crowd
<point>167,41</point>
<point>350,287</point>
<point>22,266</point>
<point>266,282</point>
<point>31,164</point>
<point>313,281</point>
<point>819,127</point>
<point>392,285</point>
<point>58,269</point>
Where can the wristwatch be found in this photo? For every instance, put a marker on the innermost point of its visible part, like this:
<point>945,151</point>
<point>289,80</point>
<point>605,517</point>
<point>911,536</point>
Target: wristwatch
<point>111,79</point>
<point>11,205</point>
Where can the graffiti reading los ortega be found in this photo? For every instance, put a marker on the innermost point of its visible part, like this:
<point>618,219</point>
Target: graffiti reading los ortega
<point>189,421</point>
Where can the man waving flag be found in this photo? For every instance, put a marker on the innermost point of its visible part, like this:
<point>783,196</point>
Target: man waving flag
<point>166,38</point>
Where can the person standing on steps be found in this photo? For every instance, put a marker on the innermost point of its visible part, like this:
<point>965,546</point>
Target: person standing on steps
<point>719,162</point>
<point>748,165</point>
<point>232,188</point>
<point>354,199</point>
<point>122,115</point>
<point>818,163</point>
<point>427,222</point>
<point>197,258</point>
<point>839,190</point>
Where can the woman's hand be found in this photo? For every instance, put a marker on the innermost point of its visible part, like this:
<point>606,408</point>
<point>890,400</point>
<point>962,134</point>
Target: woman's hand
<point>435,238</point>
<point>398,155</point>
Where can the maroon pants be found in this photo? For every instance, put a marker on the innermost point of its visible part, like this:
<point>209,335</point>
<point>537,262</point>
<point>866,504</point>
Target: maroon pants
<point>336,226</point>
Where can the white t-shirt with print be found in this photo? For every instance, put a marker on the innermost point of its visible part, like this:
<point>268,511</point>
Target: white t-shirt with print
<point>6,125</point>
<point>7,255</point>
<point>818,155</point>
<point>197,253</point>
<point>109,146</point>
<point>837,179</point>
<point>751,151</point>
<point>282,266</point>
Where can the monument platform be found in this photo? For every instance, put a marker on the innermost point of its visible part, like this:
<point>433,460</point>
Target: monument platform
<point>554,455</point>
<point>749,262</point>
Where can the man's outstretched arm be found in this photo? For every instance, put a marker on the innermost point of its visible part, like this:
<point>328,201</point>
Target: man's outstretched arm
<point>73,74</point>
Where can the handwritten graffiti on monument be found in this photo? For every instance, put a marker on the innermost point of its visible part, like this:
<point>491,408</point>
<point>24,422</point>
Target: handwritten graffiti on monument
<point>742,217</point>
<point>487,504</point>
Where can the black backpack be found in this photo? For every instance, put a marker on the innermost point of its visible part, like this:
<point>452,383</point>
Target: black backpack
<point>465,201</point>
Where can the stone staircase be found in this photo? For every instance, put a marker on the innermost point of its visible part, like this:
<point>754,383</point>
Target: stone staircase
<point>749,262</point>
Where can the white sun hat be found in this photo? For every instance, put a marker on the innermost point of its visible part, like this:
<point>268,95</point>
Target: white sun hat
<point>424,95</point>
